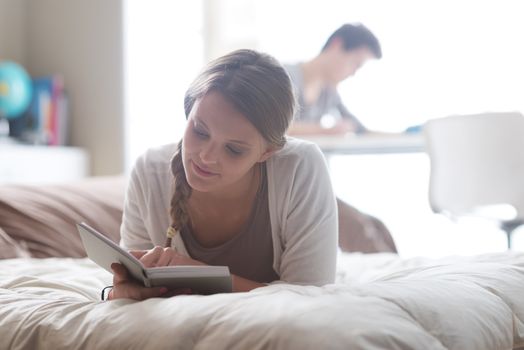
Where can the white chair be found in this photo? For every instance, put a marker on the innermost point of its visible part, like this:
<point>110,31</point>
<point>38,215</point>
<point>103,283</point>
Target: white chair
<point>477,162</point>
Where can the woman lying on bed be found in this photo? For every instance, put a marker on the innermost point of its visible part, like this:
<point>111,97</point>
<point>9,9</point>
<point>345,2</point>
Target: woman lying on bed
<point>234,191</point>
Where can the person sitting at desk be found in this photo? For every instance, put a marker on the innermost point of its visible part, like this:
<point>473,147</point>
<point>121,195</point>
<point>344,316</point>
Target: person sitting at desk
<point>315,82</point>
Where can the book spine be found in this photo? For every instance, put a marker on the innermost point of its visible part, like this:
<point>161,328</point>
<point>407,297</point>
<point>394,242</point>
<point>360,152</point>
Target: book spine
<point>63,119</point>
<point>147,281</point>
<point>55,123</point>
<point>41,108</point>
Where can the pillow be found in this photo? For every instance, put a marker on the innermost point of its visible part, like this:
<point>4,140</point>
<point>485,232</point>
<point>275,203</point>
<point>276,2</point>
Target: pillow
<point>360,232</point>
<point>10,249</point>
<point>41,219</point>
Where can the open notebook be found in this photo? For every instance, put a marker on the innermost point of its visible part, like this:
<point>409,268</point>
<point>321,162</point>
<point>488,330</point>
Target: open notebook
<point>201,279</point>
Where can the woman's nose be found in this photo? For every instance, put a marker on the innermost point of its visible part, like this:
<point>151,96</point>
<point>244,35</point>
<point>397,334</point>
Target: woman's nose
<point>209,154</point>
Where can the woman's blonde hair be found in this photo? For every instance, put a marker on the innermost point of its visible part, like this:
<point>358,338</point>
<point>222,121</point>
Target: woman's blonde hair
<point>259,88</point>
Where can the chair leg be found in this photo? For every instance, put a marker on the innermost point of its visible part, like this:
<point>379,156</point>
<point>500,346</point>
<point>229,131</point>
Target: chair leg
<point>508,234</point>
<point>508,227</point>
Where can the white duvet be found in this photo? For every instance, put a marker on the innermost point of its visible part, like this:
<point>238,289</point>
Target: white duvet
<point>379,302</point>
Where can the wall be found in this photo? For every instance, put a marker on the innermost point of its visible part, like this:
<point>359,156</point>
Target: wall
<point>83,41</point>
<point>13,30</point>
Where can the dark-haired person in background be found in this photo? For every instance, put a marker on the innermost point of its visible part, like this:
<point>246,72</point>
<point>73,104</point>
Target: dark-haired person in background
<point>315,83</point>
<point>316,80</point>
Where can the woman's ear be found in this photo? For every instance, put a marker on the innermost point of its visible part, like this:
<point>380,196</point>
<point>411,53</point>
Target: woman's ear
<point>270,150</point>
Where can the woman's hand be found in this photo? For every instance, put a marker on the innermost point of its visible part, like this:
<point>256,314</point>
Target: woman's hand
<point>159,256</point>
<point>125,287</point>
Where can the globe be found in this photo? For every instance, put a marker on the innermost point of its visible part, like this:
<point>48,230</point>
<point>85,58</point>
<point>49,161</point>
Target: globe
<point>15,90</point>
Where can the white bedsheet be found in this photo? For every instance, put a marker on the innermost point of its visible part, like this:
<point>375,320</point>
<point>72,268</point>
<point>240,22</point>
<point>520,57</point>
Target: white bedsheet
<point>379,302</point>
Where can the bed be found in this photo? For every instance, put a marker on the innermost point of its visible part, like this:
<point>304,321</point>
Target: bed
<point>50,294</point>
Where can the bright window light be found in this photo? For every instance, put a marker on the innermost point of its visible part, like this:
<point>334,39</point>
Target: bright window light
<point>163,52</point>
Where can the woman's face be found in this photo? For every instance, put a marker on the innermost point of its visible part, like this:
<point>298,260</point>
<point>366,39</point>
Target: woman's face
<point>220,146</point>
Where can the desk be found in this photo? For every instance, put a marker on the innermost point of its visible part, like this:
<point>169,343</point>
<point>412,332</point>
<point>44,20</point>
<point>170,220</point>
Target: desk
<point>369,144</point>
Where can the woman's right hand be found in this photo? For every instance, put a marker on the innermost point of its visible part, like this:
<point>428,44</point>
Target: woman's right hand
<point>125,287</point>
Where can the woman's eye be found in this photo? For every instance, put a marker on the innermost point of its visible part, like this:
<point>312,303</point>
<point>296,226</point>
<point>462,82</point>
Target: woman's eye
<point>200,133</point>
<point>234,151</point>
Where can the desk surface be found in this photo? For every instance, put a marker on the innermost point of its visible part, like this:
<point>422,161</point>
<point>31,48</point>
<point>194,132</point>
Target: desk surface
<point>369,144</point>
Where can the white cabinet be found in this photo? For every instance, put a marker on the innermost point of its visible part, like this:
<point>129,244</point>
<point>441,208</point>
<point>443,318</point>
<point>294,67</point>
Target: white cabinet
<point>41,164</point>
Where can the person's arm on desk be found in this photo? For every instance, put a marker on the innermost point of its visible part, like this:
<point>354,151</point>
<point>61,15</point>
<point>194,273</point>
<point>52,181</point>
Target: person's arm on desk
<point>309,128</point>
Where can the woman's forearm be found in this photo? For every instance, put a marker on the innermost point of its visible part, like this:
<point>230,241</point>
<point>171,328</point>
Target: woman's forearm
<point>241,284</point>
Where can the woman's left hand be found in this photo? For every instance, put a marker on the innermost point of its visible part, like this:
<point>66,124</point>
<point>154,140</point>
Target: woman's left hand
<point>159,256</point>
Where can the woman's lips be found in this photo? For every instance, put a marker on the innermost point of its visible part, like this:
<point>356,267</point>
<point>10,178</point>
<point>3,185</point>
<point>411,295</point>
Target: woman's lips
<point>201,171</point>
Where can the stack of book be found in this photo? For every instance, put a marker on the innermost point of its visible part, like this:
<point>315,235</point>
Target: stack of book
<point>46,120</point>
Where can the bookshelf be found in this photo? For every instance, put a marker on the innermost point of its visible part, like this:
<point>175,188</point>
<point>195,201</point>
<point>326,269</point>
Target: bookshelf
<point>41,164</point>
